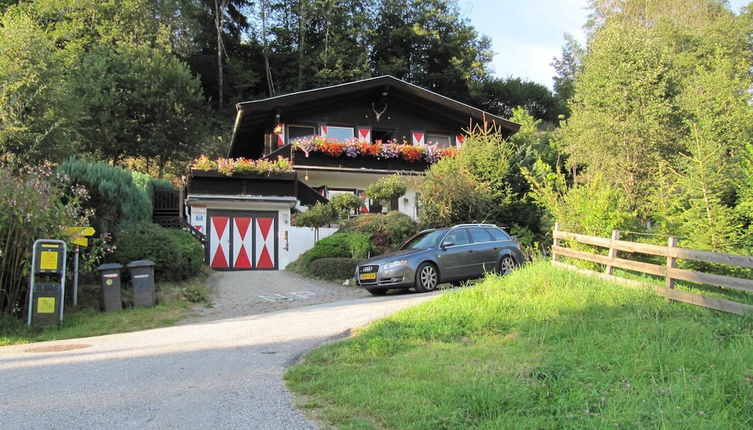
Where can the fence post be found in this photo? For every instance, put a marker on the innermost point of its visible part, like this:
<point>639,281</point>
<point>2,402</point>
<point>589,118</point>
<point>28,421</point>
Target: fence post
<point>612,251</point>
<point>556,241</point>
<point>671,262</point>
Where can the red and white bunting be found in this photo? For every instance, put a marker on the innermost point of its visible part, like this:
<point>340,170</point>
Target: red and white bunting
<point>459,140</point>
<point>419,138</point>
<point>364,133</point>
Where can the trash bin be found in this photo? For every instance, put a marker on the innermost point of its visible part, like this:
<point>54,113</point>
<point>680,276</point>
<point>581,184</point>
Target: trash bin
<point>142,278</point>
<point>109,278</point>
<point>46,304</point>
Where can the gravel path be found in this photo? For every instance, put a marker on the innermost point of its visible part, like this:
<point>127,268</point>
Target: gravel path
<point>224,374</point>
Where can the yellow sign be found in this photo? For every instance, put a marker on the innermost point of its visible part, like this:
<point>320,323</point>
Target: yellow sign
<point>48,260</point>
<point>46,305</point>
<point>79,235</point>
<point>81,241</point>
<point>79,231</point>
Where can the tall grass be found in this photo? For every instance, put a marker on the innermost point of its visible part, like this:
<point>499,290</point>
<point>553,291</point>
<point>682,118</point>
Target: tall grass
<point>541,348</point>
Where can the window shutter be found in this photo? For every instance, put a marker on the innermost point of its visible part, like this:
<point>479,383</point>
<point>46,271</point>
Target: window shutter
<point>364,133</point>
<point>281,136</point>
<point>419,138</point>
<point>323,131</point>
<point>459,140</point>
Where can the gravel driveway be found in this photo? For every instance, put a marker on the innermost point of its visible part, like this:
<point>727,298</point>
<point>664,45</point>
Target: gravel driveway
<point>224,374</point>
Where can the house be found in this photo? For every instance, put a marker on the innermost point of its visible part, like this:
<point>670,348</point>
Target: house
<point>340,139</point>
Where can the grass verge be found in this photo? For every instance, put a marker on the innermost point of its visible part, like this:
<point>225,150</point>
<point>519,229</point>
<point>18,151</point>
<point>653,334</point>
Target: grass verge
<point>175,302</point>
<point>541,348</point>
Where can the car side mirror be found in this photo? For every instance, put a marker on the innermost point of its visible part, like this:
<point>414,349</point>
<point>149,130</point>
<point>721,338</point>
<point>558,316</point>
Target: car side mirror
<point>446,244</point>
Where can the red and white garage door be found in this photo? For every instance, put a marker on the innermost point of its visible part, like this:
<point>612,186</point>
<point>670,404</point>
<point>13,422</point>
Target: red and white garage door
<point>242,240</point>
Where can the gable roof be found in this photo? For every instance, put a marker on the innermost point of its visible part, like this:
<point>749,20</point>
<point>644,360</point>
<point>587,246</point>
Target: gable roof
<point>251,115</point>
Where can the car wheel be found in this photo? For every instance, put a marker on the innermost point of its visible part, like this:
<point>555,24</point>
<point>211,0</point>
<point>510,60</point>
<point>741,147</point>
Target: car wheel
<point>376,291</point>
<point>427,278</point>
<point>506,265</point>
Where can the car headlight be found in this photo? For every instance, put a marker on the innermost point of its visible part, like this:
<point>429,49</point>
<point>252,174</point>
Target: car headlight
<point>394,264</point>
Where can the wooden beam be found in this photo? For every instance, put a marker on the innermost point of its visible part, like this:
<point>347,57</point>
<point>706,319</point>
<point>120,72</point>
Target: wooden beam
<point>680,296</point>
<point>646,248</point>
<point>654,269</point>
<point>613,251</point>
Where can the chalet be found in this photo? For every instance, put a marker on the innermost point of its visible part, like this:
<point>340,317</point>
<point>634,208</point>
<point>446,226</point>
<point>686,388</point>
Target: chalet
<point>340,139</point>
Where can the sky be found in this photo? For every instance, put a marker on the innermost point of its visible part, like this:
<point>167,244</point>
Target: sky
<point>527,35</point>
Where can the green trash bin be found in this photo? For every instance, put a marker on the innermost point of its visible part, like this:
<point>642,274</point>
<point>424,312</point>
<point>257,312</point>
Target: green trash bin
<point>142,279</point>
<point>46,304</point>
<point>109,281</point>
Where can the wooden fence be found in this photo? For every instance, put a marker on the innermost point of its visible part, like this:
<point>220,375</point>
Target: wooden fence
<point>670,271</point>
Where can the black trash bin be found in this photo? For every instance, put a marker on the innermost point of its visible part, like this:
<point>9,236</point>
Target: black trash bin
<point>46,304</point>
<point>142,279</point>
<point>109,281</point>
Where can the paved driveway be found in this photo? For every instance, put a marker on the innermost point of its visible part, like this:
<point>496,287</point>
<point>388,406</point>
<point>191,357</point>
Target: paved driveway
<point>224,374</point>
<point>242,293</point>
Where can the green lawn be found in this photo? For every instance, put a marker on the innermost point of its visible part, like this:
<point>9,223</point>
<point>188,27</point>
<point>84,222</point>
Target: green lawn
<point>543,348</point>
<point>175,302</point>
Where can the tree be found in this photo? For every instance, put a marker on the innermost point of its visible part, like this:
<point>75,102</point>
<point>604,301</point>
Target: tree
<point>567,69</point>
<point>501,96</point>
<point>316,216</point>
<point>387,189</point>
<point>138,102</point>
<point>34,110</point>
<point>473,186</point>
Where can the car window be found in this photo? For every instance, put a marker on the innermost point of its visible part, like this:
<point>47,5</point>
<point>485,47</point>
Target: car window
<point>498,234</point>
<point>430,239</point>
<point>458,237</point>
<point>479,235</point>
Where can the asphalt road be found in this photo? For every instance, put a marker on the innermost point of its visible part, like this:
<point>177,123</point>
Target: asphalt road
<point>224,374</point>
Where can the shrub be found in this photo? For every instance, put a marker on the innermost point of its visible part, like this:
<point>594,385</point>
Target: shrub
<point>117,201</point>
<point>386,231</point>
<point>333,268</point>
<point>343,245</point>
<point>35,204</point>
<point>175,253</point>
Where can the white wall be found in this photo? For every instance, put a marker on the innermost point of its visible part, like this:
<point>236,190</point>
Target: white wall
<point>300,240</point>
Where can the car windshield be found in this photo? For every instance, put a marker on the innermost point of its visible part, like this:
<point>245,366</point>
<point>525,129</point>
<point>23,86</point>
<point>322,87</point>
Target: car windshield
<point>430,239</point>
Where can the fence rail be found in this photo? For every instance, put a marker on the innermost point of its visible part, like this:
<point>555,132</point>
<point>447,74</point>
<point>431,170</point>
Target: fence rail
<point>671,273</point>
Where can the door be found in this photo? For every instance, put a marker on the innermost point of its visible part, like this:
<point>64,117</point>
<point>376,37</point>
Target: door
<point>242,240</point>
<point>486,249</point>
<point>457,260</point>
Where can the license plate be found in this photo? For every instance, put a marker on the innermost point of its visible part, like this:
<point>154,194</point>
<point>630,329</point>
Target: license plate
<point>367,276</point>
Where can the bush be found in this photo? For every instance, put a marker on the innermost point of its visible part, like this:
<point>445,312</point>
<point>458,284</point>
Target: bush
<point>35,204</point>
<point>386,231</point>
<point>175,253</point>
<point>344,245</point>
<point>344,203</point>
<point>117,201</point>
<point>333,269</point>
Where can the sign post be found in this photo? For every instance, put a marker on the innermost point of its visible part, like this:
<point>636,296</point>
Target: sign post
<point>78,237</point>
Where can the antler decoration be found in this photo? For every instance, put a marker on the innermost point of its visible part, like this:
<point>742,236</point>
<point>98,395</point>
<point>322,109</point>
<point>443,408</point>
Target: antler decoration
<point>378,114</point>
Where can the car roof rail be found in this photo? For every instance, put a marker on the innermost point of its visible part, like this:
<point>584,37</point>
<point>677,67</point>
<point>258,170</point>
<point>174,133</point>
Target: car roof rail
<point>474,225</point>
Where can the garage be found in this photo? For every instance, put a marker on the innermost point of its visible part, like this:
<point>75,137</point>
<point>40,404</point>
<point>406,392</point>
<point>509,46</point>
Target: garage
<point>242,240</point>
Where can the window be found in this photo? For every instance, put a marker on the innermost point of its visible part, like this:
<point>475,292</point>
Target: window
<point>441,140</point>
<point>382,136</point>
<point>300,131</point>
<point>479,235</point>
<point>458,237</point>
<point>498,234</point>
<point>339,133</point>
